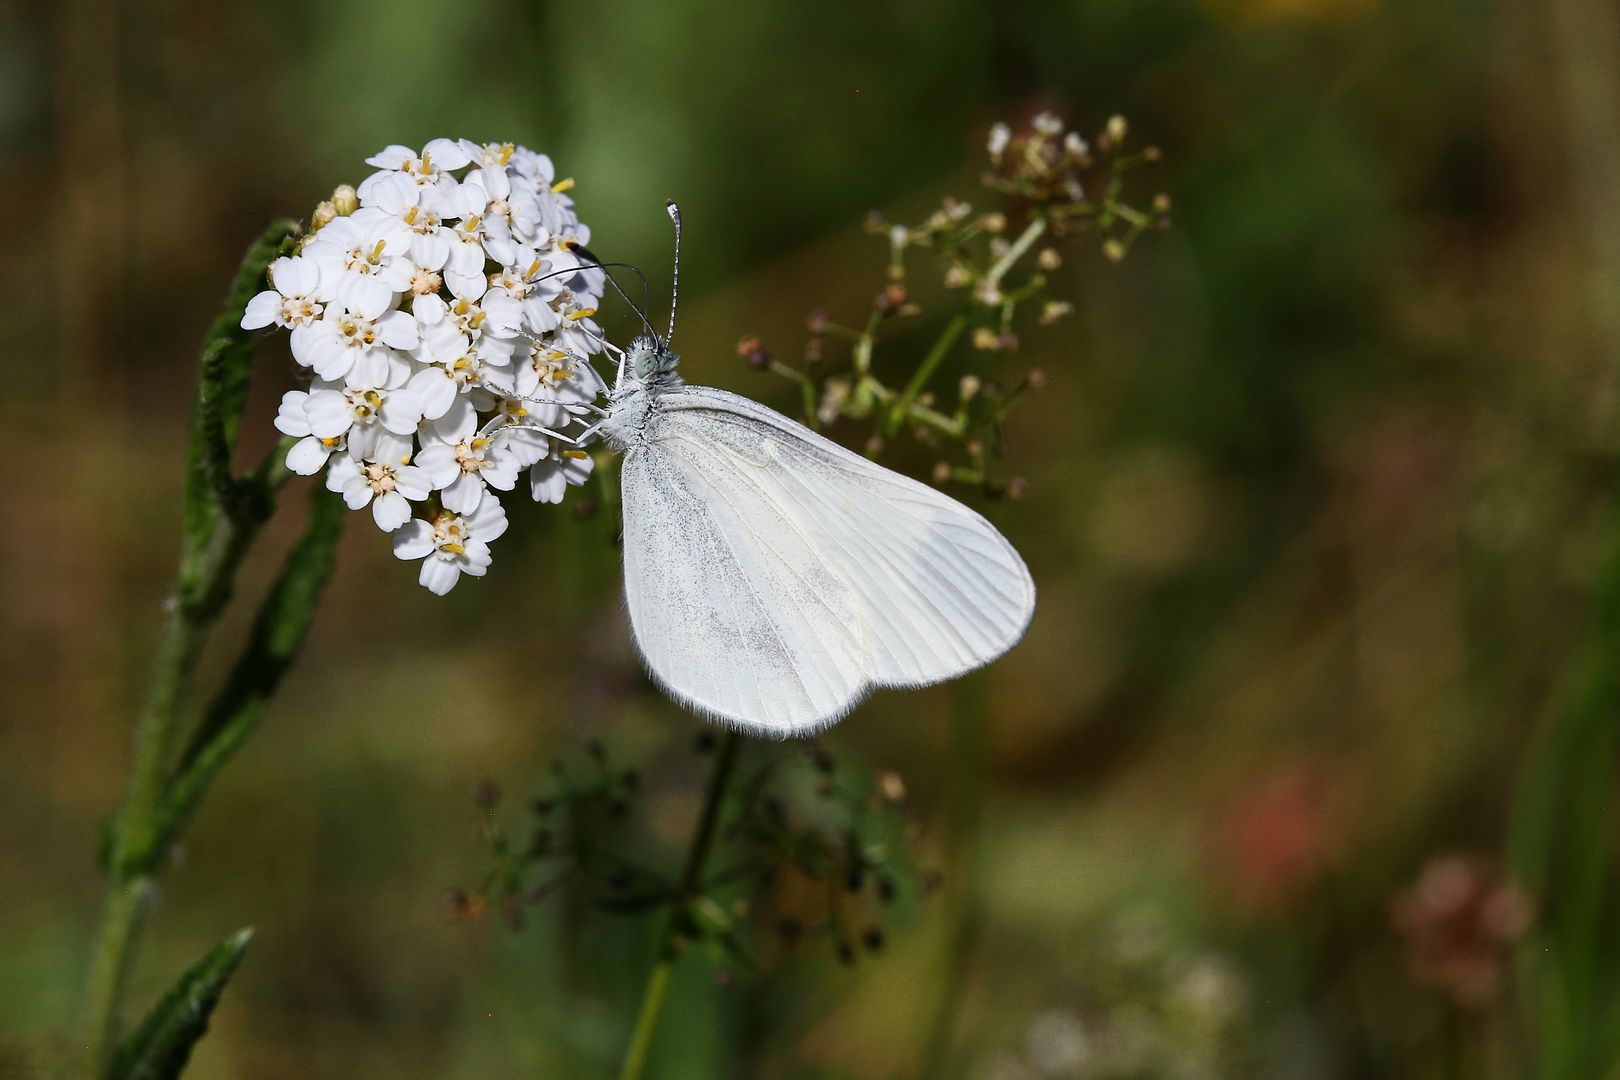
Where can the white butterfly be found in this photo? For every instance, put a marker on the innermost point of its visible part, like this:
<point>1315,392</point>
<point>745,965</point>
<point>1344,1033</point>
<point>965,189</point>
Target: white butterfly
<point>773,577</point>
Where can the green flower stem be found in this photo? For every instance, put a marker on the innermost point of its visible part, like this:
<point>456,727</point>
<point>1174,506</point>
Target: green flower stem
<point>669,946</point>
<point>964,914</point>
<point>1020,247</point>
<point>115,943</point>
<point>222,516</point>
<point>906,402</point>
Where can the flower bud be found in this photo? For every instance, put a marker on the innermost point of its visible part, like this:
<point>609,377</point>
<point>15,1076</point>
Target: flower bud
<point>325,213</point>
<point>1117,128</point>
<point>345,201</point>
<point>891,786</point>
<point>751,350</point>
<point>1053,310</point>
<point>969,387</point>
<point>1049,259</point>
<point>942,473</point>
<point>818,321</point>
<point>1113,250</point>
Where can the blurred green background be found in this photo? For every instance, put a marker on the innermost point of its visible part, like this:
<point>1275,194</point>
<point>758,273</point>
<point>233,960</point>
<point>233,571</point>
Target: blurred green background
<point>1320,507</point>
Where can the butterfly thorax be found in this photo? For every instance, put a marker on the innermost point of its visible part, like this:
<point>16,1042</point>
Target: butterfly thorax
<point>649,371</point>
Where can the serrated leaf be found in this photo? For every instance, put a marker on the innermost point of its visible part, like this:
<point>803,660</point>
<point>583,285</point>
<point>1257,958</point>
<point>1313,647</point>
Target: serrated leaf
<point>161,1046</point>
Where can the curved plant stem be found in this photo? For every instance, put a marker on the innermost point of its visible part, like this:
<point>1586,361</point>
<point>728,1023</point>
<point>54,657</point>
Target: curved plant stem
<point>965,901</point>
<point>669,945</point>
<point>222,515</point>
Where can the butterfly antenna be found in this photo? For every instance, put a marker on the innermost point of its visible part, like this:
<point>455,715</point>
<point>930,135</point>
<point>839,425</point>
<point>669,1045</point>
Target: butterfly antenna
<point>580,249</point>
<point>675,278</point>
<point>646,290</point>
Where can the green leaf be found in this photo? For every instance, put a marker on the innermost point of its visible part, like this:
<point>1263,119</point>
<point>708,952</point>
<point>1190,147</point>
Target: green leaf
<point>1559,835</point>
<point>161,1046</point>
<point>278,635</point>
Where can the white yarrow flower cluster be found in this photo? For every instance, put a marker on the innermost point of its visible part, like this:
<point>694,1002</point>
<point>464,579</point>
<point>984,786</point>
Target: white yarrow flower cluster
<point>446,323</point>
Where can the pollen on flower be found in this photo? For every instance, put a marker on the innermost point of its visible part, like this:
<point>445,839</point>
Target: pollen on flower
<point>411,298</point>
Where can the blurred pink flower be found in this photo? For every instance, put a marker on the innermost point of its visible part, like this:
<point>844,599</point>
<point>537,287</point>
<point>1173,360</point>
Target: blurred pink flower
<point>1459,920</point>
<point>1276,837</point>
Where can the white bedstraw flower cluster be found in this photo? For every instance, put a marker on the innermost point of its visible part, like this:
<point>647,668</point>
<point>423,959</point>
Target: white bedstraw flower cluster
<point>446,323</point>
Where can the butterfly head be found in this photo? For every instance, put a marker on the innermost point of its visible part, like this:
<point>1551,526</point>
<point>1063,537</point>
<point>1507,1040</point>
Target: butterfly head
<point>651,361</point>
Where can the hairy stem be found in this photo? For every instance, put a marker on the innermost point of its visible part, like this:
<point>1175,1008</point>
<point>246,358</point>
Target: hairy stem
<point>669,947</point>
<point>221,519</point>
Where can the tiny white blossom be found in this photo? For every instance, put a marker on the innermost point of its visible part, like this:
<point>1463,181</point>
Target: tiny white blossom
<point>453,366</point>
<point>464,272</point>
<point>1047,123</point>
<point>375,423</point>
<point>1000,136</point>
<point>310,453</point>
<point>451,544</point>
<point>431,169</point>
<point>559,470</point>
<point>463,472</point>
<point>516,430</point>
<point>412,218</point>
<point>357,339</point>
<point>369,249</point>
<point>389,489</point>
<point>294,301</point>
<point>577,333</point>
<point>554,383</point>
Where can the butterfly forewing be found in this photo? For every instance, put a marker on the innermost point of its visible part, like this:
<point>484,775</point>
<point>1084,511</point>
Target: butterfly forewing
<point>730,608</point>
<point>805,574</point>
